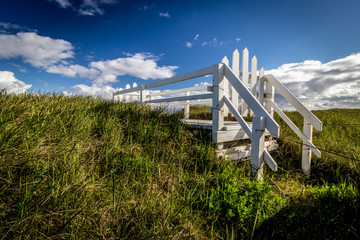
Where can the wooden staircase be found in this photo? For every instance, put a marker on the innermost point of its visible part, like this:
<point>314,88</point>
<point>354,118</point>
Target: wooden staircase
<point>235,144</point>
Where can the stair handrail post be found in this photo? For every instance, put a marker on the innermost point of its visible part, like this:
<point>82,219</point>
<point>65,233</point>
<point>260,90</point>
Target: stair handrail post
<point>142,94</point>
<point>257,147</point>
<point>187,107</point>
<point>245,78</point>
<point>236,69</point>
<point>218,101</point>
<point>225,61</point>
<point>306,150</point>
<point>270,94</point>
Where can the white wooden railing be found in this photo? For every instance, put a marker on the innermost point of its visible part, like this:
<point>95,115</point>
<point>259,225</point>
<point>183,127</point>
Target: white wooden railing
<point>228,85</point>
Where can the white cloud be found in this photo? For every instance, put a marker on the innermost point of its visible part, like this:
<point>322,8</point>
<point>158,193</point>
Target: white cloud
<point>11,84</point>
<point>323,85</point>
<point>103,91</point>
<point>37,50</point>
<point>188,44</point>
<point>196,36</point>
<point>86,7</point>
<point>165,15</point>
<point>74,71</point>
<point>140,65</point>
<point>63,3</point>
<point>5,27</point>
<point>237,39</point>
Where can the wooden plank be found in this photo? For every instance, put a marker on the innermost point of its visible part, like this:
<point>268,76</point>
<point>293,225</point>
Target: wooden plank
<point>235,67</point>
<point>262,86</point>
<point>257,147</point>
<point>225,61</point>
<point>192,103</point>
<point>182,77</point>
<point>306,151</point>
<point>253,78</point>
<point>218,102</point>
<point>230,135</point>
<point>187,108</point>
<point>176,91</point>
<point>259,110</point>
<point>306,113</point>
<point>182,98</point>
<point>237,116</point>
<point>243,152</point>
<point>245,76</point>
<point>294,128</point>
<point>270,161</point>
<point>270,94</point>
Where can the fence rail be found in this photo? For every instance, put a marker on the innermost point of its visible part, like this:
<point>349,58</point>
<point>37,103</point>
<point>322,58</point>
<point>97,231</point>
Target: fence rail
<point>232,93</point>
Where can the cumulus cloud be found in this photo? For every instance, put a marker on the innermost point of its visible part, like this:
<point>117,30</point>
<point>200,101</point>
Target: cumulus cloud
<point>335,84</point>
<point>103,91</point>
<point>140,65</point>
<point>11,84</point>
<point>5,27</point>
<point>39,51</point>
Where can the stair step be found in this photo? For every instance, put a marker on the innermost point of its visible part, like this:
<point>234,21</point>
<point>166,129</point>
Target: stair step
<point>244,152</point>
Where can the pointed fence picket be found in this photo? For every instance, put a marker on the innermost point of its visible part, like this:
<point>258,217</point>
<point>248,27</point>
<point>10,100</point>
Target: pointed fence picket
<point>257,98</point>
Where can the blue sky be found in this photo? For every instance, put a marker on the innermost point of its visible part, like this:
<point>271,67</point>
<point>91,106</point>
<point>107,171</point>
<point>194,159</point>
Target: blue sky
<point>97,46</point>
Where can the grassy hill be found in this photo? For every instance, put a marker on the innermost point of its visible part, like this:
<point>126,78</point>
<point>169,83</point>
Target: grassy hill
<point>76,168</point>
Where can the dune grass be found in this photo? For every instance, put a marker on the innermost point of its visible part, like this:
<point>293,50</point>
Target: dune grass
<point>84,168</point>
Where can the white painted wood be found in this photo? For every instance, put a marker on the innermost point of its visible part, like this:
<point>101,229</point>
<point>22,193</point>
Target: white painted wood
<point>240,153</point>
<point>230,135</point>
<point>259,110</point>
<point>187,107</point>
<point>142,94</point>
<point>178,78</point>
<point>225,61</point>
<point>181,77</point>
<point>192,103</point>
<point>253,78</point>
<point>238,117</point>
<point>306,151</point>
<point>181,90</point>
<point>257,147</point>
<point>261,86</point>
<point>235,67</point>
<point>245,78</point>
<point>270,161</point>
<point>306,113</point>
<point>127,97</point>
<point>294,128</point>
<point>182,98</point>
<point>218,102</point>
<point>134,97</point>
<point>270,94</point>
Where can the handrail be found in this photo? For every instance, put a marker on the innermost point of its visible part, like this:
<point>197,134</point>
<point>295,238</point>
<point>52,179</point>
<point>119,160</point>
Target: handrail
<point>306,113</point>
<point>294,128</point>
<point>181,90</point>
<point>183,98</point>
<point>252,102</point>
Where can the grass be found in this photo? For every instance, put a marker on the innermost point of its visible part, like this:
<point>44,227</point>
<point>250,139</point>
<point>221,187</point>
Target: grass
<point>76,168</point>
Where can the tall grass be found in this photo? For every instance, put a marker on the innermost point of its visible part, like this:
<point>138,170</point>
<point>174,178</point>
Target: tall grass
<point>78,167</point>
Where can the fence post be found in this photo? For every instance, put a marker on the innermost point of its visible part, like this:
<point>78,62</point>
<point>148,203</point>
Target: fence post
<point>257,147</point>
<point>225,61</point>
<point>270,93</point>
<point>218,102</point>
<point>142,94</point>
<point>235,68</point>
<point>187,107</point>
<point>261,86</point>
<point>245,78</point>
<point>127,97</point>
<point>306,151</point>
<point>253,78</point>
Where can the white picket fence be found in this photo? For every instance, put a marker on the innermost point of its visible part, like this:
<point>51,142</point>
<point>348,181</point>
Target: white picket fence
<point>229,92</point>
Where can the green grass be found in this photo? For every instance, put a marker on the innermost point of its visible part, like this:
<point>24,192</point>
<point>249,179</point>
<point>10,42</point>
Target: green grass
<point>76,168</point>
